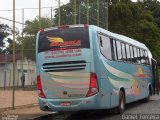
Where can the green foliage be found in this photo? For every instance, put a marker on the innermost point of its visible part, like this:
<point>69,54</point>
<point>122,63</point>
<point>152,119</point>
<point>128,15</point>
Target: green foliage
<point>28,47</point>
<point>32,27</point>
<point>4,32</point>
<point>9,48</point>
<point>26,44</point>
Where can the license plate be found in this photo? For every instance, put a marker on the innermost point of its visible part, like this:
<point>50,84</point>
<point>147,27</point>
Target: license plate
<point>65,104</point>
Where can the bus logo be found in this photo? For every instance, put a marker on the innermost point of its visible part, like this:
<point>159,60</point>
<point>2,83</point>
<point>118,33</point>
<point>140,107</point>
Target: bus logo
<point>59,44</point>
<point>55,39</point>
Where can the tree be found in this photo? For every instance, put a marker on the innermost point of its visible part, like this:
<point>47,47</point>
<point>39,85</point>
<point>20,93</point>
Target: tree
<point>67,12</point>
<point>4,32</point>
<point>32,27</point>
<point>154,7</point>
<point>9,49</point>
<point>29,39</point>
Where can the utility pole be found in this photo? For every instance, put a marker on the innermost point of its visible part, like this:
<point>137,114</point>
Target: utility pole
<point>51,14</point>
<point>75,10</point>
<point>13,91</point>
<point>97,12</point>
<point>22,40</point>
<point>107,16</point>
<point>87,11</point>
<point>79,7</point>
<point>39,14</point>
<point>59,13</point>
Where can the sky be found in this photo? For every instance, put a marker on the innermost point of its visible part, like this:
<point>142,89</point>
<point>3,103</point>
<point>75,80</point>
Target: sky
<point>29,14</point>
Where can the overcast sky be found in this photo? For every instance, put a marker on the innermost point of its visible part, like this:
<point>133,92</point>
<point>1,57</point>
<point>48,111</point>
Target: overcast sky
<point>29,14</point>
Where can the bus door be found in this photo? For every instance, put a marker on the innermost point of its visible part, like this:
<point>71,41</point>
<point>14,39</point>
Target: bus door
<point>155,77</point>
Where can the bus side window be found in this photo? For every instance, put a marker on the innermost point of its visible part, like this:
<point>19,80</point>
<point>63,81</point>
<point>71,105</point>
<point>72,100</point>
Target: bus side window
<point>138,56</point>
<point>131,52</point>
<point>128,53</point>
<point>115,50</point>
<point>119,50</point>
<point>124,51</point>
<point>112,48</point>
<point>135,54</point>
<point>105,46</point>
<point>142,56</point>
<point>146,56</point>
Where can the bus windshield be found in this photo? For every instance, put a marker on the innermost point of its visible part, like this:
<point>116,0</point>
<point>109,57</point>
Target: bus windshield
<point>63,38</point>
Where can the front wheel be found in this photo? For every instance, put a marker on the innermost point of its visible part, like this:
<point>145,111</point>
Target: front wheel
<point>121,106</point>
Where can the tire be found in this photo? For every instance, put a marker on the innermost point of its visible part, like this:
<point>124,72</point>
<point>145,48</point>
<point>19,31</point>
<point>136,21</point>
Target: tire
<point>121,106</point>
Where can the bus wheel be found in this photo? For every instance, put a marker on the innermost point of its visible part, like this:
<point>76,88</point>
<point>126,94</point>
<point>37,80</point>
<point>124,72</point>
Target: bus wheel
<point>121,106</point>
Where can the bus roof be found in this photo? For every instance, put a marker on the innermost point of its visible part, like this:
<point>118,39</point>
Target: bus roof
<point>114,35</point>
<point>120,37</point>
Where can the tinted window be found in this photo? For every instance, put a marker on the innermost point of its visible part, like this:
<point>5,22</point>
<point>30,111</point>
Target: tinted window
<point>128,52</point>
<point>115,49</point>
<point>138,56</point>
<point>119,50</point>
<point>146,56</point>
<point>105,46</point>
<point>123,51</point>
<point>143,59</point>
<point>67,38</point>
<point>135,54</point>
<point>131,52</point>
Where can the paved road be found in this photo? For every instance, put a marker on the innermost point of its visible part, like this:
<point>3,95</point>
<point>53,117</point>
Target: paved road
<point>31,112</point>
<point>137,109</point>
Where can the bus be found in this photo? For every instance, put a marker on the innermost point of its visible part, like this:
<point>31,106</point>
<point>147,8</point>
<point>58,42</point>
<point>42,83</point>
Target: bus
<point>85,67</point>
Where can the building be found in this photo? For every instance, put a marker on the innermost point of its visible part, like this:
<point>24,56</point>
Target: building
<point>6,71</point>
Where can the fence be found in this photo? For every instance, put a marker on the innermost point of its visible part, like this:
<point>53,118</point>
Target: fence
<point>6,71</point>
<point>24,84</point>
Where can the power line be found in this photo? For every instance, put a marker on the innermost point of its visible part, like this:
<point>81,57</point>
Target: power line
<point>12,20</point>
<point>31,8</point>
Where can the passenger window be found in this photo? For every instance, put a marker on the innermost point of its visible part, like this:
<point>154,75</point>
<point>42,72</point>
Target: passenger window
<point>135,54</point>
<point>146,56</point>
<point>119,50</point>
<point>128,53</point>
<point>138,56</point>
<point>124,51</point>
<point>115,50</point>
<point>131,52</point>
<point>105,46</point>
<point>141,56</point>
<point>143,59</point>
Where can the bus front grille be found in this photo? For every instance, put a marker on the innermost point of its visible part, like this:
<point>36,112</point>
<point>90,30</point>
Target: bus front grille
<point>64,66</point>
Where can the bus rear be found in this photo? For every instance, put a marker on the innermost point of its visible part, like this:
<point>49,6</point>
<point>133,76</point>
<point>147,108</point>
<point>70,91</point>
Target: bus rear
<point>65,77</point>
